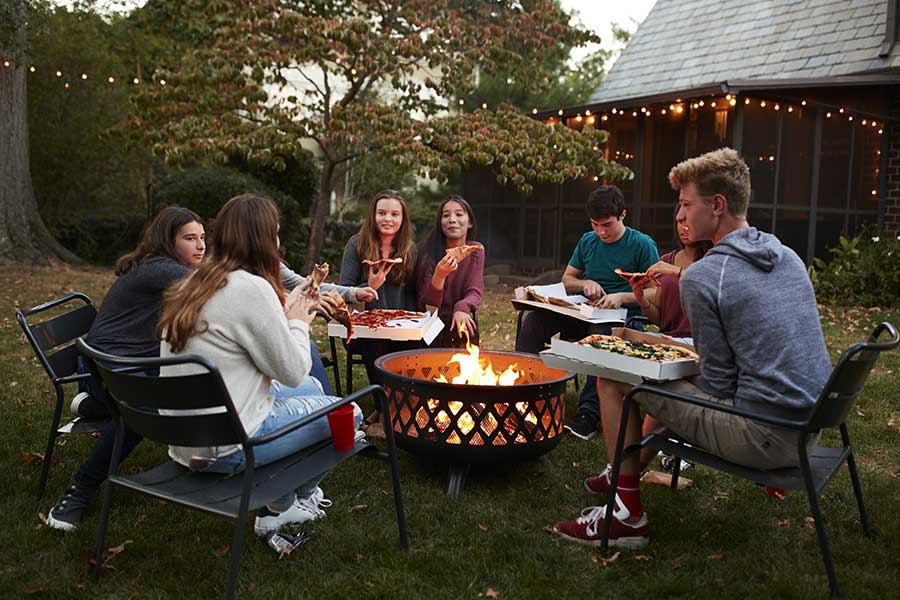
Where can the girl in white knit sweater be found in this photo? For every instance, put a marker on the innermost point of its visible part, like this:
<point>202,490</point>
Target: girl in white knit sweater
<point>235,312</point>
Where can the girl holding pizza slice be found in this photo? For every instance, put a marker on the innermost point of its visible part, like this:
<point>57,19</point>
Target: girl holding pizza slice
<point>450,273</point>
<point>382,256</point>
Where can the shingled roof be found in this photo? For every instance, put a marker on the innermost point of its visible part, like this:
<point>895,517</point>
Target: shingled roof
<point>684,45</point>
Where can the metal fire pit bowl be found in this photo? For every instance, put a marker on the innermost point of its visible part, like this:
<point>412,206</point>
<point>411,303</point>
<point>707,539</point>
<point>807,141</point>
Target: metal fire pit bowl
<point>467,424</point>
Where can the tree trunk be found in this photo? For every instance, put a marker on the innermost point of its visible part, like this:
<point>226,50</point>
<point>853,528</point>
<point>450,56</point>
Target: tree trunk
<point>23,235</point>
<point>320,211</point>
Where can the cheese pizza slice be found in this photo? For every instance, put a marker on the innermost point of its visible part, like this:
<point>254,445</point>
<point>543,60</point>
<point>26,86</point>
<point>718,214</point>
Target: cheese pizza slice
<point>461,252</point>
<point>315,279</point>
<point>341,313</point>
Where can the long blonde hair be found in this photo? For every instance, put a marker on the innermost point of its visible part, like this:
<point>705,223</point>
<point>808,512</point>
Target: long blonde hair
<point>369,244</point>
<point>243,237</point>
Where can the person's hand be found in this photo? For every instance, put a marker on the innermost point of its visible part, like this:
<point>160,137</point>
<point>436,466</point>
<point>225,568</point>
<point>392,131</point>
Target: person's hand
<point>612,300</point>
<point>639,283</point>
<point>592,290</point>
<point>328,303</point>
<point>366,294</point>
<point>445,266</point>
<point>299,305</point>
<point>663,268</point>
<point>377,278</point>
<point>463,321</point>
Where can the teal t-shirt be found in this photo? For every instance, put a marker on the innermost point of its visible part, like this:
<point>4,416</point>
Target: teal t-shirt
<point>633,252</point>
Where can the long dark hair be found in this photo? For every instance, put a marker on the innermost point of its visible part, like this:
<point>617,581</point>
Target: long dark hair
<point>701,247</point>
<point>159,236</point>
<point>369,244</point>
<point>436,242</point>
<point>244,237</point>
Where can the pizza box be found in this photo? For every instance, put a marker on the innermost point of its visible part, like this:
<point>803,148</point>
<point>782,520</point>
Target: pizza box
<point>419,328</point>
<point>581,311</point>
<point>574,357</point>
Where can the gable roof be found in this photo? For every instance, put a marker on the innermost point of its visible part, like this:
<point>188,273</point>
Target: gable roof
<point>687,44</point>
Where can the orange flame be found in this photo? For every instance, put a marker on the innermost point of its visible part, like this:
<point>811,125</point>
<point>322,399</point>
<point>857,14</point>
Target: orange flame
<point>476,371</point>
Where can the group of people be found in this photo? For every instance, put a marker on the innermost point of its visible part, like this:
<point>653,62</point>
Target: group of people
<point>740,296</point>
<point>240,306</point>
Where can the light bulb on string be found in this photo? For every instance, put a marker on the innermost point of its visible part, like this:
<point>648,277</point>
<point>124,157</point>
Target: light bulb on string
<point>534,111</point>
<point>59,73</point>
<point>733,101</point>
<point>136,81</point>
<point>746,100</point>
<point>32,68</point>
<point>84,76</point>
<point>560,112</point>
<point>111,79</point>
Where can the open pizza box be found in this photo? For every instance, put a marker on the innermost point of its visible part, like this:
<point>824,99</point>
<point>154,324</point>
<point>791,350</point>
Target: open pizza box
<point>579,308</point>
<point>576,358</point>
<point>418,328</point>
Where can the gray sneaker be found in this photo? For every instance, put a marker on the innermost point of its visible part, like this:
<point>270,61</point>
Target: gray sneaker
<point>66,514</point>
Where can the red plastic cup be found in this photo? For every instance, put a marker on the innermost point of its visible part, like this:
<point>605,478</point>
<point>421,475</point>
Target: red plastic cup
<point>340,422</point>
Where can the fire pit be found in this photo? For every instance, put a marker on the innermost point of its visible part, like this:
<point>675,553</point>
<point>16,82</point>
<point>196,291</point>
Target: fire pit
<point>466,423</point>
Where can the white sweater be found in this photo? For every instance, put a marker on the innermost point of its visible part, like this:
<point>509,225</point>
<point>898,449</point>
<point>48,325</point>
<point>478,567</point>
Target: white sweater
<point>243,330</point>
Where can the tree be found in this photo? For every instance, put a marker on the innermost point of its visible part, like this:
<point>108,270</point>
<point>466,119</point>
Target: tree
<point>230,96</point>
<point>23,235</point>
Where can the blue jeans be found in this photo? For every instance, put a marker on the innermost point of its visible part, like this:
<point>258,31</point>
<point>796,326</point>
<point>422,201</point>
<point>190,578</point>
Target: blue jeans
<point>291,404</point>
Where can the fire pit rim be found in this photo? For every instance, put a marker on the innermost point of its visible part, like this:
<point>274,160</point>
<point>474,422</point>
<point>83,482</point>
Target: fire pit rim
<point>379,365</point>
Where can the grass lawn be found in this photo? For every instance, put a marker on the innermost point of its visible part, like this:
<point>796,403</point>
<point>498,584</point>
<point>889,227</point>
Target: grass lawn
<point>722,537</point>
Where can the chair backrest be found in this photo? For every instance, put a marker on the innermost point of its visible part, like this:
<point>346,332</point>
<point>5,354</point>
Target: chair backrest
<point>848,377</point>
<point>182,410</point>
<point>58,332</point>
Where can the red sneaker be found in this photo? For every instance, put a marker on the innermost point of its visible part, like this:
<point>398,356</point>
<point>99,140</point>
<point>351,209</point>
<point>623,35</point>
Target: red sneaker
<point>625,532</point>
<point>599,484</point>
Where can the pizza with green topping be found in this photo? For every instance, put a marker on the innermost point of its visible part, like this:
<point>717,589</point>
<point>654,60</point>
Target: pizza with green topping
<point>635,349</point>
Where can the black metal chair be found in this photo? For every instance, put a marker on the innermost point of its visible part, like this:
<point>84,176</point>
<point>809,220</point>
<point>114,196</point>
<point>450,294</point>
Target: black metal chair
<point>155,407</point>
<point>818,464</point>
<point>51,341</point>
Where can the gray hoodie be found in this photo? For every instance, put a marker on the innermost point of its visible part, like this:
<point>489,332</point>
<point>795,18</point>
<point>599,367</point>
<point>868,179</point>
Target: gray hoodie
<point>756,325</point>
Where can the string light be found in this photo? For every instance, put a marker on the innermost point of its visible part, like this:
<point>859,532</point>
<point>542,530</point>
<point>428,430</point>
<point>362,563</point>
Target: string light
<point>777,107</point>
<point>32,69</point>
<point>591,120</point>
<point>864,122</point>
<point>604,118</point>
<point>587,113</point>
<point>162,82</point>
<point>353,71</point>
<point>828,115</point>
<point>59,73</point>
<point>733,101</point>
<point>762,103</point>
<point>578,118</point>
<point>613,111</point>
<point>484,105</point>
<point>790,109</point>
<point>534,111</point>
<point>111,79</point>
<point>461,102</point>
<point>5,63</point>
<point>746,100</point>
<point>84,76</point>
<point>663,111</point>
<point>841,111</point>
<point>560,112</point>
<point>803,102</point>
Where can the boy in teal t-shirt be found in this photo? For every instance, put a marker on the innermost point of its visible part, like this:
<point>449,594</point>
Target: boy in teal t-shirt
<point>591,272</point>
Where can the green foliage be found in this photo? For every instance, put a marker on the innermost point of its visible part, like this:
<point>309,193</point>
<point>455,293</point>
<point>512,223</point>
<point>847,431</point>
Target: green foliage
<point>205,189</point>
<point>99,239</point>
<point>76,166</point>
<point>863,271</point>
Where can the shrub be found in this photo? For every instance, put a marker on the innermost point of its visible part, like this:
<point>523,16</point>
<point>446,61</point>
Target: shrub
<point>863,271</point>
<point>99,239</point>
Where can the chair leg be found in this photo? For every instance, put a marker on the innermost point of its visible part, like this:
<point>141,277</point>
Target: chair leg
<point>234,567</point>
<point>349,371</point>
<point>335,366</point>
<point>101,531</point>
<point>857,487</point>
<point>820,524</point>
<point>51,444</point>
<point>395,469</point>
<point>676,472</point>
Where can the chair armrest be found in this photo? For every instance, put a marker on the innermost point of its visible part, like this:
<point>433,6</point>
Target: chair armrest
<point>734,410</point>
<point>371,389</point>
<point>73,378</point>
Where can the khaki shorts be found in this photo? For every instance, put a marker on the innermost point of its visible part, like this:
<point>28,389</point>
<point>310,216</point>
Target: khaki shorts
<point>734,438</point>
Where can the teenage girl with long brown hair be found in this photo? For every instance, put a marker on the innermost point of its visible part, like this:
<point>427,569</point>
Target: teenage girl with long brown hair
<point>234,311</point>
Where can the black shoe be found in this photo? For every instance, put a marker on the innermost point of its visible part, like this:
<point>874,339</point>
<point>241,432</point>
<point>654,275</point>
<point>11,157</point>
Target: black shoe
<point>87,407</point>
<point>69,509</point>
<point>584,425</point>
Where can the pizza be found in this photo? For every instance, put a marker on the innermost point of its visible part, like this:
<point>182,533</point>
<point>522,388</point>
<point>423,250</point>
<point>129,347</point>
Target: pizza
<point>631,276</point>
<point>461,252</point>
<point>341,313</point>
<point>635,349</point>
<point>315,279</point>
<point>561,302</point>
<point>381,317</point>
<point>392,261</point>
<point>533,295</point>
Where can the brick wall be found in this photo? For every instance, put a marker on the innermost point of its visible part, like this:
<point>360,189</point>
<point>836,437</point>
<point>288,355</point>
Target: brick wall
<point>891,212</point>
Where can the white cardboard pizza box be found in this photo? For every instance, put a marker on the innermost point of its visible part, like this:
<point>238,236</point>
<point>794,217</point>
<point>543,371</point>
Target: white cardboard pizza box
<point>577,358</point>
<point>420,328</point>
<point>581,311</point>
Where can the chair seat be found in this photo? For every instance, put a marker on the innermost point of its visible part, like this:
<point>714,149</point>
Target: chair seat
<point>80,425</point>
<point>221,494</point>
<point>823,462</point>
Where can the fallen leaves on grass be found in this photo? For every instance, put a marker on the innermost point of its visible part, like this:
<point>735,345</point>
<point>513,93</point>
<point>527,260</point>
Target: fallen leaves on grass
<point>491,593</point>
<point>356,507</point>
<point>33,458</point>
<point>604,562</point>
<point>717,556</point>
<point>482,527</point>
<point>785,523</point>
<point>810,522</point>
<point>642,557</point>
<point>220,552</point>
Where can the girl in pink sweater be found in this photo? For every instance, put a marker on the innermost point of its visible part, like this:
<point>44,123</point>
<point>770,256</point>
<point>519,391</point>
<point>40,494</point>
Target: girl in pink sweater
<point>456,287</point>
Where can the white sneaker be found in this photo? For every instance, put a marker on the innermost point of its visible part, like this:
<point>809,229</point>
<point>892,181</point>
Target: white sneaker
<point>319,497</point>
<point>76,403</point>
<point>301,511</point>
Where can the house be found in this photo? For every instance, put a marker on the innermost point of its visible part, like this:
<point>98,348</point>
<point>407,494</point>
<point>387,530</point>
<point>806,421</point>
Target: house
<point>805,90</point>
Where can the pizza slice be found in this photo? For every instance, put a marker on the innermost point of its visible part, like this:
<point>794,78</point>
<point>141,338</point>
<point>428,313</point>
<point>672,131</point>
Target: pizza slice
<point>561,302</point>
<point>393,261</point>
<point>533,295</point>
<point>637,277</point>
<point>461,252</point>
<point>341,313</point>
<point>315,279</point>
